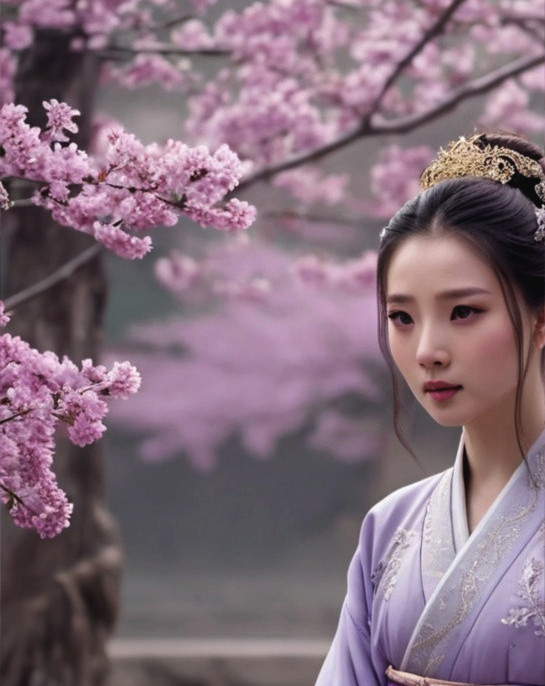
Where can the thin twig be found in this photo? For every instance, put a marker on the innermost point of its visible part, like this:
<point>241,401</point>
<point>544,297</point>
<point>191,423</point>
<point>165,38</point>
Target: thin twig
<point>172,22</point>
<point>61,274</point>
<point>22,202</point>
<point>22,413</point>
<point>403,125</point>
<point>429,35</point>
<point>118,52</point>
<point>313,218</point>
<point>11,495</point>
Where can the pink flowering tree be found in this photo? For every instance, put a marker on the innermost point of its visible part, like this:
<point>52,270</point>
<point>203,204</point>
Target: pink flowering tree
<point>272,91</point>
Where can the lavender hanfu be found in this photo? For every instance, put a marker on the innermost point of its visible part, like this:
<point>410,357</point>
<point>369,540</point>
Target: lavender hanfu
<point>429,599</point>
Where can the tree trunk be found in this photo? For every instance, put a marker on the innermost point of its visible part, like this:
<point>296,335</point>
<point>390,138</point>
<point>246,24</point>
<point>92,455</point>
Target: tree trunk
<point>59,597</point>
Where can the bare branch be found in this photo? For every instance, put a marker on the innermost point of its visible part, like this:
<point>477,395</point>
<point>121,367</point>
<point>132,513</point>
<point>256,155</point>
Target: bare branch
<point>366,129</point>
<point>182,19</point>
<point>61,274</point>
<point>22,202</point>
<point>313,218</point>
<point>433,31</point>
<point>119,52</point>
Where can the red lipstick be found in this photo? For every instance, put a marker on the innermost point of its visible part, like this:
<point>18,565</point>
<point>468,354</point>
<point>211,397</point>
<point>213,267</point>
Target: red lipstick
<point>441,390</point>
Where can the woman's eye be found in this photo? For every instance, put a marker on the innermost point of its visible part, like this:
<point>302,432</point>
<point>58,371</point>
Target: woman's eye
<point>401,318</point>
<point>463,312</point>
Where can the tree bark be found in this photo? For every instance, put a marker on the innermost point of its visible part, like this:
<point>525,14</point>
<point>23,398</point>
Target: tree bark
<point>59,597</point>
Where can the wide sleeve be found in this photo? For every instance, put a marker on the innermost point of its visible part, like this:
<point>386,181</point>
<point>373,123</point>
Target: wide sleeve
<point>353,659</point>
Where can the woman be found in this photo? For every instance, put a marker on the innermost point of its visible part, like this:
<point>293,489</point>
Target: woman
<point>448,580</point>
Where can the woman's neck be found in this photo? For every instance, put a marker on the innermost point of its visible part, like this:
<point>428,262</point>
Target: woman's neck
<point>494,449</point>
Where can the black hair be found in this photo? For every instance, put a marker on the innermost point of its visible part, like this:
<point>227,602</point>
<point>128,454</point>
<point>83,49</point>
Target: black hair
<point>499,222</point>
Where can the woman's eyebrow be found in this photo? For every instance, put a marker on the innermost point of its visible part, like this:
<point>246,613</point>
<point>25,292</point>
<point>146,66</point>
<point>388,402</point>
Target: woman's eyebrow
<point>451,294</point>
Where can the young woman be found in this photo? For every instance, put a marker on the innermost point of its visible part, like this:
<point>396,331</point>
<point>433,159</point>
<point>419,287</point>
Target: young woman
<point>447,584</point>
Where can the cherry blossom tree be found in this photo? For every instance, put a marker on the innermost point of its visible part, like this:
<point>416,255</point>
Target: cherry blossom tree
<point>272,90</point>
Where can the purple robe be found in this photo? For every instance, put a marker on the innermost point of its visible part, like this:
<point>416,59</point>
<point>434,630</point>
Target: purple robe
<point>428,598</point>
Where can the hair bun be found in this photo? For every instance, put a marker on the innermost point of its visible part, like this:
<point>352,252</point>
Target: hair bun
<point>531,185</point>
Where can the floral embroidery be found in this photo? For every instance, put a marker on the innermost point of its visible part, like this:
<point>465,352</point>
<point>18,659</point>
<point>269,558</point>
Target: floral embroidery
<point>385,574</point>
<point>533,597</point>
<point>477,561</point>
<point>438,546</point>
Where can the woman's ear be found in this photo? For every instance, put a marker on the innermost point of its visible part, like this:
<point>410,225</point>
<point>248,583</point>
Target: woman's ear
<point>539,328</point>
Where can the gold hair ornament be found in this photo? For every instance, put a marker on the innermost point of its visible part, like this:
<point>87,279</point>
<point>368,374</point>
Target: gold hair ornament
<point>464,157</point>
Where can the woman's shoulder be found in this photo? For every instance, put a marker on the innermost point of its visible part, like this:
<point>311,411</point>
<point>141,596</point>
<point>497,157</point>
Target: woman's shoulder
<point>408,496</point>
<point>403,509</point>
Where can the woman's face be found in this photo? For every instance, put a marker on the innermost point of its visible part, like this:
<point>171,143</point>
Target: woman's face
<point>450,333</point>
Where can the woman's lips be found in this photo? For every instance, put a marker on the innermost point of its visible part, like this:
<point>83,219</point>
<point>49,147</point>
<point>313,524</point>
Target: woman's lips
<point>440,390</point>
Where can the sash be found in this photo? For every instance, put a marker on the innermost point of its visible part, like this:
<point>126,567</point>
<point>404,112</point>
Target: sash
<point>459,572</point>
<point>396,678</point>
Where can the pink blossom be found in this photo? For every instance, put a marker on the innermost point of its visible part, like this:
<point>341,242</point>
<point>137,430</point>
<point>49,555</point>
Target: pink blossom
<point>38,394</point>
<point>135,187</point>
<point>357,275</point>
<point>509,107</point>
<point>236,215</point>
<point>394,178</point>
<point>59,117</point>
<point>192,35</point>
<point>311,270</point>
<point>533,79</point>
<point>122,380</point>
<point>309,186</point>
<point>54,13</point>
<point>178,272</point>
<point>4,318</point>
<point>254,290</point>
<point>16,36</point>
<point>5,202</point>
<point>147,69</point>
<point>112,236</point>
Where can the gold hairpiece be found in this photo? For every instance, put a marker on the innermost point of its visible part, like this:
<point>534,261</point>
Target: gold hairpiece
<point>465,157</point>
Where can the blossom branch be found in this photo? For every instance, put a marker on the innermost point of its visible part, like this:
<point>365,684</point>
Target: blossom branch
<point>472,89</point>
<point>403,125</point>
<point>434,30</point>
<point>39,391</point>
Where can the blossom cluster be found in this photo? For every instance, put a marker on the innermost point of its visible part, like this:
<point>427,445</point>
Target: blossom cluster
<point>304,73</point>
<point>129,190</point>
<point>297,75</point>
<point>39,394</point>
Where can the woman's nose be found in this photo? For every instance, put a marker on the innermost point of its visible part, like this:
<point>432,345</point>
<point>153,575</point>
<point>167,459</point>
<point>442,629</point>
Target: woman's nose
<point>432,352</point>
